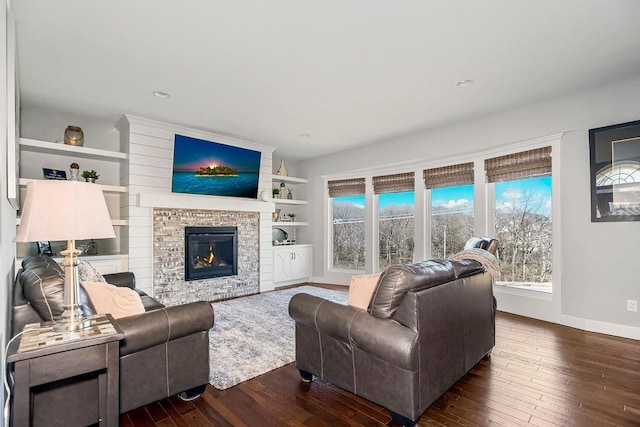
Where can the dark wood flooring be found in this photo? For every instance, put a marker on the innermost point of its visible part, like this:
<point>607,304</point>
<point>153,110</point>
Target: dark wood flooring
<point>539,374</point>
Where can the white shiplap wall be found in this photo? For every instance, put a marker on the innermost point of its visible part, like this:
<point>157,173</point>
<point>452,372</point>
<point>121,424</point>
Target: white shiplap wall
<point>150,147</point>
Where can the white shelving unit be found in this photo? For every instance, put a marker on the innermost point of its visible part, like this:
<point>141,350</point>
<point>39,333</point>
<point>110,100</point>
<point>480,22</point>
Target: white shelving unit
<point>59,156</point>
<point>292,263</point>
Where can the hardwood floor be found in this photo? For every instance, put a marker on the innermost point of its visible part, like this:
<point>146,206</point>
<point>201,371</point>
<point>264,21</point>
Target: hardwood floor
<point>539,374</point>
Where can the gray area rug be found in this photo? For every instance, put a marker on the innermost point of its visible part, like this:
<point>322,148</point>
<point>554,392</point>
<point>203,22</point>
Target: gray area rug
<point>253,335</point>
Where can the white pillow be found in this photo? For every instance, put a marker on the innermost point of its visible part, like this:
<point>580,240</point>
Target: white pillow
<point>119,301</point>
<point>361,289</point>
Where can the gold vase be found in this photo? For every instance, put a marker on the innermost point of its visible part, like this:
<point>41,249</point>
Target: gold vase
<point>73,135</point>
<point>282,171</point>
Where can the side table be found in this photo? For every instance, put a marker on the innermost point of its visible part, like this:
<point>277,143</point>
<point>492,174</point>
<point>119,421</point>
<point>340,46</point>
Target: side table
<point>68,383</point>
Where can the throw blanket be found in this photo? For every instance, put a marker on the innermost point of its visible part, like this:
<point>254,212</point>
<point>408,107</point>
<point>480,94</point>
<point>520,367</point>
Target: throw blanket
<point>487,259</point>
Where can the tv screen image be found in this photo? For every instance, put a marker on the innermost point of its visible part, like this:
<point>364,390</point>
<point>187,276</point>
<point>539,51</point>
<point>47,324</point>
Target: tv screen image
<point>214,169</point>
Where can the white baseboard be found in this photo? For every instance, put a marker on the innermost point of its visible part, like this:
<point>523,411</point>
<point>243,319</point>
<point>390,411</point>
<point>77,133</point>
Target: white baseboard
<point>615,329</point>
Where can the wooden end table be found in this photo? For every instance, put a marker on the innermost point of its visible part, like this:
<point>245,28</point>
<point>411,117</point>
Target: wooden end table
<point>72,382</point>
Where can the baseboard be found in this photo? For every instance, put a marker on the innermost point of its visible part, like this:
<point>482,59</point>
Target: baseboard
<point>624,331</point>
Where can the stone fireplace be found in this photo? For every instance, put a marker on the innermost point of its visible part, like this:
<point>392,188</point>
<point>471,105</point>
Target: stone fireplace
<point>170,265</point>
<point>210,252</point>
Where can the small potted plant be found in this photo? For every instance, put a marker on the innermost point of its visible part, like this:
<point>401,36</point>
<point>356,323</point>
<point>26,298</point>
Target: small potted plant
<point>293,217</point>
<point>276,191</point>
<point>90,176</point>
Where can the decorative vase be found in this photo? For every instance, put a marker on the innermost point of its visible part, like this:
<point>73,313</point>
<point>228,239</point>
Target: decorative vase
<point>73,174</point>
<point>73,135</point>
<point>282,171</point>
<point>289,194</point>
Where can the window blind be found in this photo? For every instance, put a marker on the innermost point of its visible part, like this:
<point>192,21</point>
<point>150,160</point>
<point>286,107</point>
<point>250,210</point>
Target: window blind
<point>346,187</point>
<point>526,164</point>
<point>393,183</point>
<point>448,176</point>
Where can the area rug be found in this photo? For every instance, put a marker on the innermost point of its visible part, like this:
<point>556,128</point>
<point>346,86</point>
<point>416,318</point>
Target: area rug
<point>253,335</point>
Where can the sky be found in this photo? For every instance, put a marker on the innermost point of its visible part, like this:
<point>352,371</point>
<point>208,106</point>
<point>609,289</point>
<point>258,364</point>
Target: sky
<point>506,194</point>
<point>190,154</point>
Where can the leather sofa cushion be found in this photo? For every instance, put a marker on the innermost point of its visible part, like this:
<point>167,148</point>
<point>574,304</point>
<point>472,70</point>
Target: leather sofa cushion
<point>398,279</point>
<point>118,301</point>
<point>42,282</point>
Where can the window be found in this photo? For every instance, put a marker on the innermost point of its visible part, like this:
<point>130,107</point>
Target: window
<point>348,219</point>
<point>523,218</point>
<point>451,193</point>
<point>396,218</point>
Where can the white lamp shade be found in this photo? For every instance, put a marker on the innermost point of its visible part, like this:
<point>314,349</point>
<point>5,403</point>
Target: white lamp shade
<point>64,210</point>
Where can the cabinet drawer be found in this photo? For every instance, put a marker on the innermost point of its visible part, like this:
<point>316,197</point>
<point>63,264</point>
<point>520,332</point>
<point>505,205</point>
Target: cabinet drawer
<point>67,364</point>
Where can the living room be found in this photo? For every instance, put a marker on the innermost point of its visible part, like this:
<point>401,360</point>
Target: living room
<point>590,289</point>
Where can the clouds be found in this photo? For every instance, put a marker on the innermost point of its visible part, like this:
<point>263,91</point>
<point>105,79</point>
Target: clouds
<point>454,204</point>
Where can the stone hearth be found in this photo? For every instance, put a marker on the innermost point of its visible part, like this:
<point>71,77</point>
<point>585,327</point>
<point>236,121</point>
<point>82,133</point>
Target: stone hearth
<point>170,288</point>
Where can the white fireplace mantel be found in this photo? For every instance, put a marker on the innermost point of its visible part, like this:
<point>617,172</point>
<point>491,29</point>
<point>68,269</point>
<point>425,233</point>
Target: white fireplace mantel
<point>180,201</point>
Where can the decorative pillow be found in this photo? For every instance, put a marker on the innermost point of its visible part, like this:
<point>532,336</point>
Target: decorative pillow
<point>361,289</point>
<point>119,301</point>
<point>88,273</point>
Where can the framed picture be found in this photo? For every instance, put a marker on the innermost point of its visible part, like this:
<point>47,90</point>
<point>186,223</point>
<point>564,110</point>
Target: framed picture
<point>54,174</point>
<point>45,248</point>
<point>615,172</point>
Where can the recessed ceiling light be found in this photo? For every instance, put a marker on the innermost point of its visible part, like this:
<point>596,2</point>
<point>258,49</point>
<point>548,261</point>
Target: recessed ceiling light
<point>465,83</point>
<point>305,135</point>
<point>161,94</point>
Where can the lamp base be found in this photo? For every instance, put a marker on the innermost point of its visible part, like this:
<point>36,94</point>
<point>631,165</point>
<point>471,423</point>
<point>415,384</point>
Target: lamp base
<point>71,320</point>
<point>66,325</point>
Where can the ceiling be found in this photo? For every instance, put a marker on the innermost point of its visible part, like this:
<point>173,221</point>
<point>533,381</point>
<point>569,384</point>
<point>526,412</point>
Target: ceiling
<point>316,77</point>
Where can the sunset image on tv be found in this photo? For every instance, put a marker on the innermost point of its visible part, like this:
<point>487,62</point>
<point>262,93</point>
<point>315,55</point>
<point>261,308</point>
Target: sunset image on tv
<point>215,169</point>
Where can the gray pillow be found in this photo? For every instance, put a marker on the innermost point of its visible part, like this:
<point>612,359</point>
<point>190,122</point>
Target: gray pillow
<point>88,273</point>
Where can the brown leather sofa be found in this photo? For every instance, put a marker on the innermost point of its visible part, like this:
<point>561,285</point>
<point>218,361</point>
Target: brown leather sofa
<point>165,351</point>
<point>427,324</point>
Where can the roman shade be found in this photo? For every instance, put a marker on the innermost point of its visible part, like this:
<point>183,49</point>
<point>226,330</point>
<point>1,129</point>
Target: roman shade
<point>448,176</point>
<point>346,187</point>
<point>393,183</point>
<point>526,164</point>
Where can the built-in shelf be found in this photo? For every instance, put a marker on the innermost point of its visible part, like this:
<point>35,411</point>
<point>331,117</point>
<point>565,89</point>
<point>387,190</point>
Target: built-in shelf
<point>290,202</point>
<point>86,152</point>
<point>106,188</point>
<point>289,224</point>
<point>288,179</point>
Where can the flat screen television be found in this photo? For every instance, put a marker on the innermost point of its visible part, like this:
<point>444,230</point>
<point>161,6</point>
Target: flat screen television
<point>214,169</point>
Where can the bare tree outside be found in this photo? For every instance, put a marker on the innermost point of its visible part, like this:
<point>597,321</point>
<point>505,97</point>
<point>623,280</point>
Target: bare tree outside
<point>524,230</point>
<point>396,227</point>
<point>451,219</point>
<point>348,232</point>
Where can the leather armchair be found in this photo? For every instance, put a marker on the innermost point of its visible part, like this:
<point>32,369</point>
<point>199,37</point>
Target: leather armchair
<point>165,350</point>
<point>427,324</point>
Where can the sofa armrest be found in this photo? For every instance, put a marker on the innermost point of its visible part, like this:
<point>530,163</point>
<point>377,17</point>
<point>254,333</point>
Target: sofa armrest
<point>328,317</point>
<point>155,327</point>
<point>386,339</point>
<point>126,278</point>
<point>22,315</point>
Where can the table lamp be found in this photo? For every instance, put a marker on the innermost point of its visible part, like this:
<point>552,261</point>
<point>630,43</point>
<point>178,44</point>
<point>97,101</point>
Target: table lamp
<point>65,210</point>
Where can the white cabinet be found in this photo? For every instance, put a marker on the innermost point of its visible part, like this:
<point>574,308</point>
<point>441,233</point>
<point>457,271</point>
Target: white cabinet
<point>292,264</point>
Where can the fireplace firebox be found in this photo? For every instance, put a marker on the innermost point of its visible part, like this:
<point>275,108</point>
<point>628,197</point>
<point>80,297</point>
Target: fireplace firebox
<point>210,252</point>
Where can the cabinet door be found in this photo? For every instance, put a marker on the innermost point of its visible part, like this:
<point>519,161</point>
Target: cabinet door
<point>301,263</point>
<point>281,265</point>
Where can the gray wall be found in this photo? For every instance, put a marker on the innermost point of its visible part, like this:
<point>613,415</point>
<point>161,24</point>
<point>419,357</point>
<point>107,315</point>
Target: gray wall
<point>596,275</point>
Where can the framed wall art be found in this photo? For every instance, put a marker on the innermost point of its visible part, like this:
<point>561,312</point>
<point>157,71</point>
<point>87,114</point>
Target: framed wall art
<point>615,172</point>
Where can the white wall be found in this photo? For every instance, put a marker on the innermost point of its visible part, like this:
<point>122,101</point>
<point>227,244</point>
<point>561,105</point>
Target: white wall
<point>596,258</point>
<point>7,213</point>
